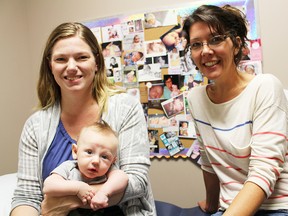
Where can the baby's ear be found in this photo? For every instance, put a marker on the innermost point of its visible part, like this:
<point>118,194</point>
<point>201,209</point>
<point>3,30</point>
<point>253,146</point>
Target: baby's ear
<point>114,159</point>
<point>74,151</point>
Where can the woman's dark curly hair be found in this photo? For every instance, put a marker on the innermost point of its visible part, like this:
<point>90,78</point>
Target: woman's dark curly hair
<point>226,20</point>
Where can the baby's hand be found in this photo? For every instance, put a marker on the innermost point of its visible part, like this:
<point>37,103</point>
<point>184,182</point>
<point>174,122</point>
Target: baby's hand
<point>100,200</point>
<point>85,193</point>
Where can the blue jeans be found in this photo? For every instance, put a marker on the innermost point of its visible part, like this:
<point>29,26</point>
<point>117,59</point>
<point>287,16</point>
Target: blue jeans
<point>282,212</point>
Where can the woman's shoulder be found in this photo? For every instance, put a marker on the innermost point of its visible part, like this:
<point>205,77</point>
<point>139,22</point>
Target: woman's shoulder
<point>267,78</point>
<point>267,82</point>
<point>43,114</point>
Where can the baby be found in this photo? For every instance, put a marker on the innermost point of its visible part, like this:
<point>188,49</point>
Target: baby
<point>94,157</point>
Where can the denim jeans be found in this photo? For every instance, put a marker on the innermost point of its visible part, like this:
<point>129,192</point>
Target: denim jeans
<point>280,212</point>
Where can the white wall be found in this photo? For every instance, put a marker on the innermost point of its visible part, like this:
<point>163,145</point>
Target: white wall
<point>25,25</point>
<point>17,82</point>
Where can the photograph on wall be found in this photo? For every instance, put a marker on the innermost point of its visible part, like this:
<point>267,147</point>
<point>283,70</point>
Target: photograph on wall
<point>112,62</point>
<point>155,92</point>
<point>117,74</point>
<point>172,142</point>
<point>109,73</point>
<point>192,80</point>
<point>154,48</point>
<point>160,18</point>
<point>186,129</point>
<point>251,67</point>
<point>134,42</point>
<point>254,50</point>
<point>112,33</point>
<point>133,57</point>
<point>174,62</point>
<point>174,38</point>
<point>162,60</point>
<point>173,124</point>
<point>153,141</point>
<point>186,65</point>
<point>172,85</point>
<point>112,49</point>
<point>97,32</point>
<point>186,109</point>
<point>194,152</point>
<point>173,106</point>
<point>130,77</point>
<point>149,72</point>
<point>158,121</point>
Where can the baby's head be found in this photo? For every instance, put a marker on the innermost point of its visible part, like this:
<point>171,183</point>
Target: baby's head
<point>171,39</point>
<point>150,18</point>
<point>136,56</point>
<point>156,92</point>
<point>96,149</point>
<point>174,87</point>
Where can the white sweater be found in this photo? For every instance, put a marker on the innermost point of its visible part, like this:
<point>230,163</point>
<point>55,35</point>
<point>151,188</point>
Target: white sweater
<point>245,139</point>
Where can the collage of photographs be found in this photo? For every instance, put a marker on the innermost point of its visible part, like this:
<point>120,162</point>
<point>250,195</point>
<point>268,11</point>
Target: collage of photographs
<point>148,51</point>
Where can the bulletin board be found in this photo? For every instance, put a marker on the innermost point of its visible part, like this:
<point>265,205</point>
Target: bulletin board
<point>140,57</point>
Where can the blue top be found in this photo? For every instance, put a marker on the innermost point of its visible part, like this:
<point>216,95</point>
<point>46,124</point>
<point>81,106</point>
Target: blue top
<point>59,151</point>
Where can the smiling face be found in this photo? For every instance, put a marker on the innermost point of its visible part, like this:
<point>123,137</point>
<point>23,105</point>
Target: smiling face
<point>216,62</point>
<point>95,152</point>
<point>73,64</point>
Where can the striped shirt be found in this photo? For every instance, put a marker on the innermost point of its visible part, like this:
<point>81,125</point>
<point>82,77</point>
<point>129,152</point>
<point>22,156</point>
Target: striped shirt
<point>125,116</point>
<point>245,139</point>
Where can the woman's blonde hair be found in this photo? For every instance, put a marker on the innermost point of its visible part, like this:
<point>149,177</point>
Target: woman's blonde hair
<point>49,91</point>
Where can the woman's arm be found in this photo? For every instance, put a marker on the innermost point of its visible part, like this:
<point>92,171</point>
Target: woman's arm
<point>125,115</point>
<point>211,204</point>
<point>28,194</point>
<point>247,202</point>
<point>59,206</point>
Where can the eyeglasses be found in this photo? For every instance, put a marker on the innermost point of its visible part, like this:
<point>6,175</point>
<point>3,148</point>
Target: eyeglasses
<point>212,43</point>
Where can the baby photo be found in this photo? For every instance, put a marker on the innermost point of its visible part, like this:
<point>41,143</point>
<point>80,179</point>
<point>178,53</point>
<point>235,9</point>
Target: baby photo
<point>156,91</point>
<point>186,129</point>
<point>130,77</point>
<point>172,142</point>
<point>173,106</point>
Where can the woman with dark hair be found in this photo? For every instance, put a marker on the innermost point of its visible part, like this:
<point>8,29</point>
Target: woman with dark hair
<point>240,119</point>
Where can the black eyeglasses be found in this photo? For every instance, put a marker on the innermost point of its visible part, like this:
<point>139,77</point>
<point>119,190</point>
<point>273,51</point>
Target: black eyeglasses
<point>211,43</point>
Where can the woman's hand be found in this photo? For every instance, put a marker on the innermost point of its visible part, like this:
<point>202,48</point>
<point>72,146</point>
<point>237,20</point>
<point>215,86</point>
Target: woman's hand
<point>205,208</point>
<point>59,206</point>
<point>202,205</point>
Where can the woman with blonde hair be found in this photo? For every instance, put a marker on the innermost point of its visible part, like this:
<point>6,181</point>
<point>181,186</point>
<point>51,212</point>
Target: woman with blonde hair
<point>73,92</point>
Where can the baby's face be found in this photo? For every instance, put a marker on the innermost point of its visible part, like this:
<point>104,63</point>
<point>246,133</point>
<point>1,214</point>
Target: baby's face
<point>184,124</point>
<point>136,39</point>
<point>95,153</point>
<point>136,56</point>
<point>155,92</point>
<point>178,105</point>
<point>174,87</point>
<point>171,38</point>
